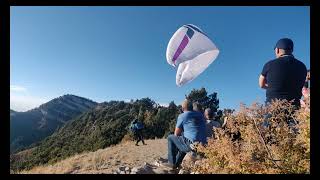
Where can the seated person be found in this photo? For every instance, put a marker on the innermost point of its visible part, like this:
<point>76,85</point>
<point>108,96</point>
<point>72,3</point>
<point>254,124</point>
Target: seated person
<point>211,122</point>
<point>192,124</point>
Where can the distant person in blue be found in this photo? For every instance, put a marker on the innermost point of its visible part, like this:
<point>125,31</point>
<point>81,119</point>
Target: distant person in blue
<point>136,128</point>
<point>283,77</point>
<point>190,128</point>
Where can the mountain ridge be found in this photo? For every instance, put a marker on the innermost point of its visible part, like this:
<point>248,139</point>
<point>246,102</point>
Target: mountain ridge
<point>33,125</point>
<point>105,125</point>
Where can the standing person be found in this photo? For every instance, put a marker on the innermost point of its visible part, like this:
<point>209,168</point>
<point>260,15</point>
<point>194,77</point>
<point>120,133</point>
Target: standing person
<point>211,122</point>
<point>192,124</point>
<point>283,77</point>
<point>137,127</point>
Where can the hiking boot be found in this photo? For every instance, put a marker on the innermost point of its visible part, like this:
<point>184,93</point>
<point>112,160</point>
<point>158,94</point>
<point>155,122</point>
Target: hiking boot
<point>137,144</point>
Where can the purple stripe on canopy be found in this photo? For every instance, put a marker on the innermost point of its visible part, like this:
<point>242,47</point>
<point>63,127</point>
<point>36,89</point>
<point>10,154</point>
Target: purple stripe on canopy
<point>182,45</point>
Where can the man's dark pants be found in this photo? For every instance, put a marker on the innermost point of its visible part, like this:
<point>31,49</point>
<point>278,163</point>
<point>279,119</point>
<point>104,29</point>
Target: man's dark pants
<point>138,136</point>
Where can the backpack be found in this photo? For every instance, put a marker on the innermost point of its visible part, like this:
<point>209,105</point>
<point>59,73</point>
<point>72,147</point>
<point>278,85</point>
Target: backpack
<point>139,125</point>
<point>133,128</point>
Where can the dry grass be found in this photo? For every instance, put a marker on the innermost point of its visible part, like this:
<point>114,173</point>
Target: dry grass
<point>243,146</point>
<point>266,150</point>
<point>106,160</point>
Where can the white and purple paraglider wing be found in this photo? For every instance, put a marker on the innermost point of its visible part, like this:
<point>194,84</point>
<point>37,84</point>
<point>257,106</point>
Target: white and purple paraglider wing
<point>191,51</point>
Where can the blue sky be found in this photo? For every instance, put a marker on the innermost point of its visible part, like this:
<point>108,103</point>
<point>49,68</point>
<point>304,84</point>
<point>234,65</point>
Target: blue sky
<point>119,53</point>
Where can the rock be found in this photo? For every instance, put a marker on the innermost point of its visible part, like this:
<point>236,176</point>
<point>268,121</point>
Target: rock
<point>147,170</point>
<point>127,169</point>
<point>133,172</point>
<point>188,161</point>
<point>135,169</point>
<point>122,168</point>
<point>122,172</point>
<point>161,171</point>
<point>156,163</point>
<point>140,170</point>
<point>181,171</point>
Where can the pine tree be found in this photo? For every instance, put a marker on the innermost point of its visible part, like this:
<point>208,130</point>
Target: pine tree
<point>206,101</point>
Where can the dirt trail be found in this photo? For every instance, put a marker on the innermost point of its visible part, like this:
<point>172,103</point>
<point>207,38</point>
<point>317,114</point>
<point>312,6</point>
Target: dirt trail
<point>109,159</point>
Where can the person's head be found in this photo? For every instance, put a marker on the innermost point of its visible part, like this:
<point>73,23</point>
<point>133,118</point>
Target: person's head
<point>209,114</point>
<point>283,47</point>
<point>308,75</point>
<point>186,105</point>
<point>197,107</point>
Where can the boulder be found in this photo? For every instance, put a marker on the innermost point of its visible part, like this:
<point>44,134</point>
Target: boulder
<point>135,169</point>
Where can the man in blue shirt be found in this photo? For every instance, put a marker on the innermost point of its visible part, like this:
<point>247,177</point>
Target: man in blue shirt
<point>190,128</point>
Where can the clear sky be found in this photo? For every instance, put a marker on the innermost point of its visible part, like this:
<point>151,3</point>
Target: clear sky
<point>119,53</point>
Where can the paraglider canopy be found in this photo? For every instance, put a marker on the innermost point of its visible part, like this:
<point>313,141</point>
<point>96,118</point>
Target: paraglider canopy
<point>191,51</point>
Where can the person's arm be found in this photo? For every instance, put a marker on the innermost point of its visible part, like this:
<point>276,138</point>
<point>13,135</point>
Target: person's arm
<point>262,82</point>
<point>177,131</point>
<point>262,79</point>
<point>179,126</point>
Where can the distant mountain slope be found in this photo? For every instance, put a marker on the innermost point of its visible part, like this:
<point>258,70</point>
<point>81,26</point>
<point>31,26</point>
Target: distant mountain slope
<point>36,124</point>
<point>105,125</point>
